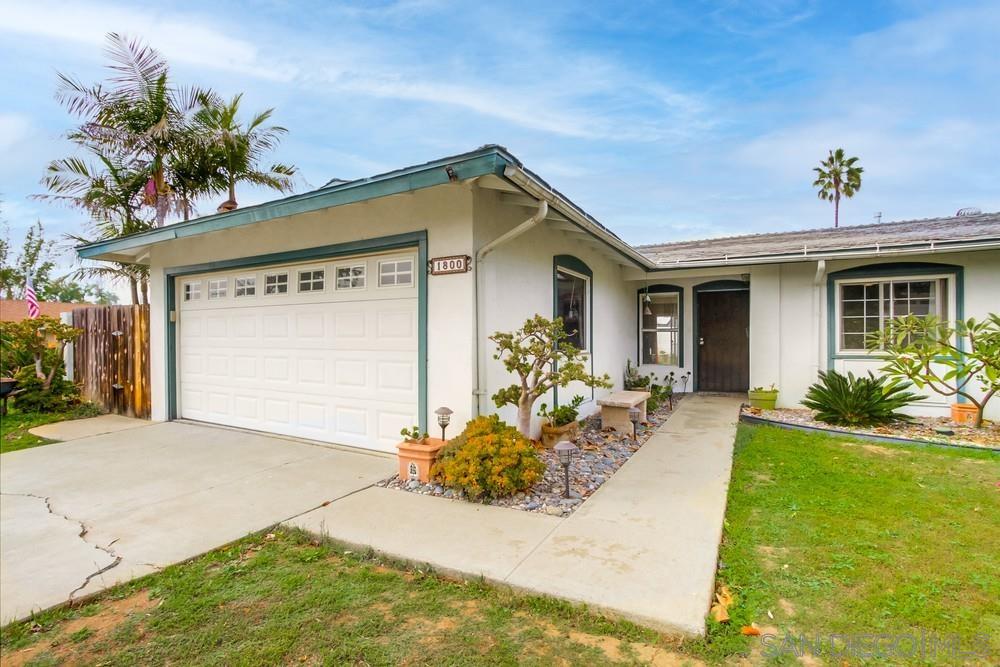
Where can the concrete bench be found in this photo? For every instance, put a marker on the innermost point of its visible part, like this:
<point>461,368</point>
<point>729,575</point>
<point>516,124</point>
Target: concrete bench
<point>615,407</point>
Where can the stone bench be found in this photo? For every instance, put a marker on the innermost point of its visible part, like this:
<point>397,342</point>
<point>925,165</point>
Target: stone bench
<point>615,407</point>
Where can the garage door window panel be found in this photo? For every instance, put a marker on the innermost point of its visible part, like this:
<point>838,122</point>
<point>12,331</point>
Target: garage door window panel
<point>275,283</point>
<point>312,280</point>
<point>351,277</point>
<point>395,273</point>
<point>246,286</point>
<point>218,288</point>
<point>192,291</point>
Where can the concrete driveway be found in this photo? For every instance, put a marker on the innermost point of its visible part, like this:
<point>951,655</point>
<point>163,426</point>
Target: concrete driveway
<point>80,516</point>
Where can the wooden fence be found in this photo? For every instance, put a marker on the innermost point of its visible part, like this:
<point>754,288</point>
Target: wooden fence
<point>111,358</point>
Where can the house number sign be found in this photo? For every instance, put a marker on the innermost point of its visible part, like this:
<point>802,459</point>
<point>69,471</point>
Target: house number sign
<point>452,264</point>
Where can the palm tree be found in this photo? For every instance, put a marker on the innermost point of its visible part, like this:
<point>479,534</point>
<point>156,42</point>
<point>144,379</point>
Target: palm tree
<point>240,148</point>
<point>141,115</point>
<point>112,195</point>
<point>837,177</point>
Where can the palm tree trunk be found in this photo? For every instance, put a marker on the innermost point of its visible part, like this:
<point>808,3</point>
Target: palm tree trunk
<point>134,287</point>
<point>232,189</point>
<point>144,291</point>
<point>836,210</point>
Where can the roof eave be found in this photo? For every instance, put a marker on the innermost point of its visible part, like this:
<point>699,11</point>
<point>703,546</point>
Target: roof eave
<point>491,160</point>
<point>929,247</point>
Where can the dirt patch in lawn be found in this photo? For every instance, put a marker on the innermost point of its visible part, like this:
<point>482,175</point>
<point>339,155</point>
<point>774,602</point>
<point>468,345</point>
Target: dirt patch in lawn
<point>66,645</point>
<point>772,557</point>
<point>881,451</point>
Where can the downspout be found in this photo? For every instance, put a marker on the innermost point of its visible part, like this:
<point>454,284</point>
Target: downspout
<point>817,315</point>
<point>534,220</point>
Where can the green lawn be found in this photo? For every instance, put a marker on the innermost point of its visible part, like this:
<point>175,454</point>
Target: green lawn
<point>829,536</point>
<point>14,426</point>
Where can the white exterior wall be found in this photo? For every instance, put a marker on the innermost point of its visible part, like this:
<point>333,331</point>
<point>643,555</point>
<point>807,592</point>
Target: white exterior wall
<point>789,319</point>
<point>518,283</point>
<point>981,278</point>
<point>445,212</point>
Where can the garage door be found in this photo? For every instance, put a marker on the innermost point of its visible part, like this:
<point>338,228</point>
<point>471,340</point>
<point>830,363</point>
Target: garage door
<point>325,350</point>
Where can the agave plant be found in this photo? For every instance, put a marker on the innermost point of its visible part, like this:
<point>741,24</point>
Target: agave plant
<point>849,400</point>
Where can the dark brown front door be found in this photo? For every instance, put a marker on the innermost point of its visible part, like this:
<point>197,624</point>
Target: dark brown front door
<point>723,340</point>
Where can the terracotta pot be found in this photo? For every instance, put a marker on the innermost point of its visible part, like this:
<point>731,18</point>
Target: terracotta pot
<point>555,434</point>
<point>416,458</point>
<point>964,414</point>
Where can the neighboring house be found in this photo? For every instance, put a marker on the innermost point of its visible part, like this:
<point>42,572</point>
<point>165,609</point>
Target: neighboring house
<point>15,310</point>
<point>316,315</point>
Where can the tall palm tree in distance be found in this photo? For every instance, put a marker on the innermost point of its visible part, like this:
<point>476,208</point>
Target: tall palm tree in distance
<point>836,177</point>
<point>240,148</point>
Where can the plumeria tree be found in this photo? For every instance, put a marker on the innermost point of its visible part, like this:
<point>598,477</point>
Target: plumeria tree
<point>950,359</point>
<point>540,355</point>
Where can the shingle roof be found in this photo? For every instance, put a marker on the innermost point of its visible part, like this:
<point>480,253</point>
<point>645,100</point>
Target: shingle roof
<point>955,228</point>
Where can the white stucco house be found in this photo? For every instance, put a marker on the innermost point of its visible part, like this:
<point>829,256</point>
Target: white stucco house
<point>317,315</point>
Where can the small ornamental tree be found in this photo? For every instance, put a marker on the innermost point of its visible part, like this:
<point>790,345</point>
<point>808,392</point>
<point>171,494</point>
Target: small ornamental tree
<point>949,359</point>
<point>32,352</point>
<point>540,354</point>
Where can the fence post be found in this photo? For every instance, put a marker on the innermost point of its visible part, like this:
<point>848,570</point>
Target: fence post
<point>67,318</point>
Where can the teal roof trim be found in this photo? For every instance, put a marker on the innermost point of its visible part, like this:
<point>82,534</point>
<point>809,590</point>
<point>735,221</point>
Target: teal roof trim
<point>486,160</point>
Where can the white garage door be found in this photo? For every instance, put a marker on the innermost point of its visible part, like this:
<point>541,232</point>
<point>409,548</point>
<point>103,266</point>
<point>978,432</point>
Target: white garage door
<point>325,350</point>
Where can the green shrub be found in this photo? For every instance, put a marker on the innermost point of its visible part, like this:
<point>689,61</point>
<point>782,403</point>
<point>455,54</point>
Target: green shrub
<point>562,415</point>
<point>490,459</point>
<point>858,401</point>
<point>34,396</point>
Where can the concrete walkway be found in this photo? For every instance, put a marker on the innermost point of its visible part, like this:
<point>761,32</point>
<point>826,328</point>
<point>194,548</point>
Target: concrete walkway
<point>643,547</point>
<point>80,516</point>
<point>75,429</point>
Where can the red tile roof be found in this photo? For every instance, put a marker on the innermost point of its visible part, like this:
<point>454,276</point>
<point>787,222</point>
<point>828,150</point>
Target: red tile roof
<point>15,310</point>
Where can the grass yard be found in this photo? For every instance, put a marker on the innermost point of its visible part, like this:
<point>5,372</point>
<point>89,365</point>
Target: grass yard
<point>14,426</point>
<point>836,536</point>
<point>827,535</point>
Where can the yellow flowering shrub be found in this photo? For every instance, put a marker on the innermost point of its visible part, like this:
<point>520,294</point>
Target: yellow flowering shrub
<point>490,459</point>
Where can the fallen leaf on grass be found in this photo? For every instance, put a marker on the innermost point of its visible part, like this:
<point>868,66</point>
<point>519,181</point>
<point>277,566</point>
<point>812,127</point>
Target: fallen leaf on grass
<point>723,600</point>
<point>749,631</point>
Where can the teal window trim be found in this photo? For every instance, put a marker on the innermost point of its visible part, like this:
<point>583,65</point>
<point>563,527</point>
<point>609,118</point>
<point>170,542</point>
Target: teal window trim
<point>575,265</point>
<point>661,288</point>
<point>416,240</point>
<point>879,272</point>
<point>710,286</point>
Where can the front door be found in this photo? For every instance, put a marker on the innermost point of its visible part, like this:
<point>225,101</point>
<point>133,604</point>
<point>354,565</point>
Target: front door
<point>724,340</point>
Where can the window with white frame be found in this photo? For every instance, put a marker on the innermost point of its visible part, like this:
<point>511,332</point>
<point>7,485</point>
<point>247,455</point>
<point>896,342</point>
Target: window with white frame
<point>276,283</point>
<point>246,286</point>
<point>351,277</point>
<point>659,328</point>
<point>395,273</point>
<point>217,288</point>
<point>865,306</point>
<point>312,280</point>
<point>192,291</point>
<point>573,306</point>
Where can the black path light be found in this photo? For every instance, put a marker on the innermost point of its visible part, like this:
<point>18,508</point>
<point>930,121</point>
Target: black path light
<point>566,450</point>
<point>633,416</point>
<point>444,418</point>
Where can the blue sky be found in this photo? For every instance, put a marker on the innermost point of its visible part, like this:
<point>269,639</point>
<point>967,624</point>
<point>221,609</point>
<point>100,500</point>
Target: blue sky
<point>666,121</point>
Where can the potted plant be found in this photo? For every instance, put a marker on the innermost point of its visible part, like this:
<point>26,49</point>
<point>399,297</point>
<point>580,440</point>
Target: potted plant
<point>951,359</point>
<point>762,398</point>
<point>560,422</point>
<point>633,378</point>
<point>416,454</point>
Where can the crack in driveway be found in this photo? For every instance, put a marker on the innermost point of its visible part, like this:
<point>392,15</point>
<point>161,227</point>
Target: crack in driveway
<point>82,535</point>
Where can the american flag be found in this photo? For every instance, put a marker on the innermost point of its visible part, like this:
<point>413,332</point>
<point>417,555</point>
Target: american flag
<point>32,299</point>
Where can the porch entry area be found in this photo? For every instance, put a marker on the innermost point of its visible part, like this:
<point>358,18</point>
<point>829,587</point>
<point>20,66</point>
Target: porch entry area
<point>722,336</point>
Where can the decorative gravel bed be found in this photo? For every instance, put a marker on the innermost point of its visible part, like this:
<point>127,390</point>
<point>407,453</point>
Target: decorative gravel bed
<point>601,454</point>
<point>921,428</point>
